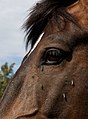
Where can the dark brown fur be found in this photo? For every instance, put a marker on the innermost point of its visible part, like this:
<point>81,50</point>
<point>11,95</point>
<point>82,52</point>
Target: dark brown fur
<point>40,90</point>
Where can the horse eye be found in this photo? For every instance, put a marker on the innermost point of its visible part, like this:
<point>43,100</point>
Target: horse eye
<point>53,56</point>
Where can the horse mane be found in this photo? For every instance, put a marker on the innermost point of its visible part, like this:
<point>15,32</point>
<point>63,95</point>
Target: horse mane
<point>40,15</point>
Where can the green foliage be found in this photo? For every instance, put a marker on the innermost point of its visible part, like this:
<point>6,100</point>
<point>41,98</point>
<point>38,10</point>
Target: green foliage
<point>6,73</point>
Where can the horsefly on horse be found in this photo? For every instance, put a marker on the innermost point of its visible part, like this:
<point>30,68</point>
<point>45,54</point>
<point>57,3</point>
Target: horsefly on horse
<point>52,81</point>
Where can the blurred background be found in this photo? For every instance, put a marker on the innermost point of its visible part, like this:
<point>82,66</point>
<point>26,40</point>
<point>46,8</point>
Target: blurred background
<point>13,13</point>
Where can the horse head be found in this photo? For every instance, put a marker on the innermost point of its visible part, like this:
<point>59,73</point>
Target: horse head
<point>52,81</point>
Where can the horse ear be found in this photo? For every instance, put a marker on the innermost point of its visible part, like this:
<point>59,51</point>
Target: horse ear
<point>80,11</point>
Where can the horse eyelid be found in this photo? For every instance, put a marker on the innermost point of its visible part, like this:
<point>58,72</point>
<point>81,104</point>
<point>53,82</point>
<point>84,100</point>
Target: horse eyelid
<point>65,55</point>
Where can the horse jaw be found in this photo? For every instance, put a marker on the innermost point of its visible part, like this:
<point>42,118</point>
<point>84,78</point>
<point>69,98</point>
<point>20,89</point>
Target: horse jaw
<point>80,12</point>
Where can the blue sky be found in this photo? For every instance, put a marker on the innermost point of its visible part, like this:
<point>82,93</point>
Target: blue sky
<point>12,15</point>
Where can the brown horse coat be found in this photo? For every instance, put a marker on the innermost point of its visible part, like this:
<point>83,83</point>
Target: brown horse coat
<point>52,82</point>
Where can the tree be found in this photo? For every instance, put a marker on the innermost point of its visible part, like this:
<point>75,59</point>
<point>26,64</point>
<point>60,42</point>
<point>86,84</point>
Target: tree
<point>6,73</point>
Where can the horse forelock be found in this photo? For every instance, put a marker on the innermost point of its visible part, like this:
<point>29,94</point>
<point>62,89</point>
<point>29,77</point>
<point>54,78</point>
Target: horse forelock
<point>40,15</point>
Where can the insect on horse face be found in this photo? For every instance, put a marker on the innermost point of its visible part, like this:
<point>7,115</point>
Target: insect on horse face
<point>52,82</point>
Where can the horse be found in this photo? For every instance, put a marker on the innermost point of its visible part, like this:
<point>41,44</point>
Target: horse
<point>52,81</point>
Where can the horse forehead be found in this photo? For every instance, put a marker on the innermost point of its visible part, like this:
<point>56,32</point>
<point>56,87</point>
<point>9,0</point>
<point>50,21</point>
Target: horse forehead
<point>53,30</point>
<point>37,42</point>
